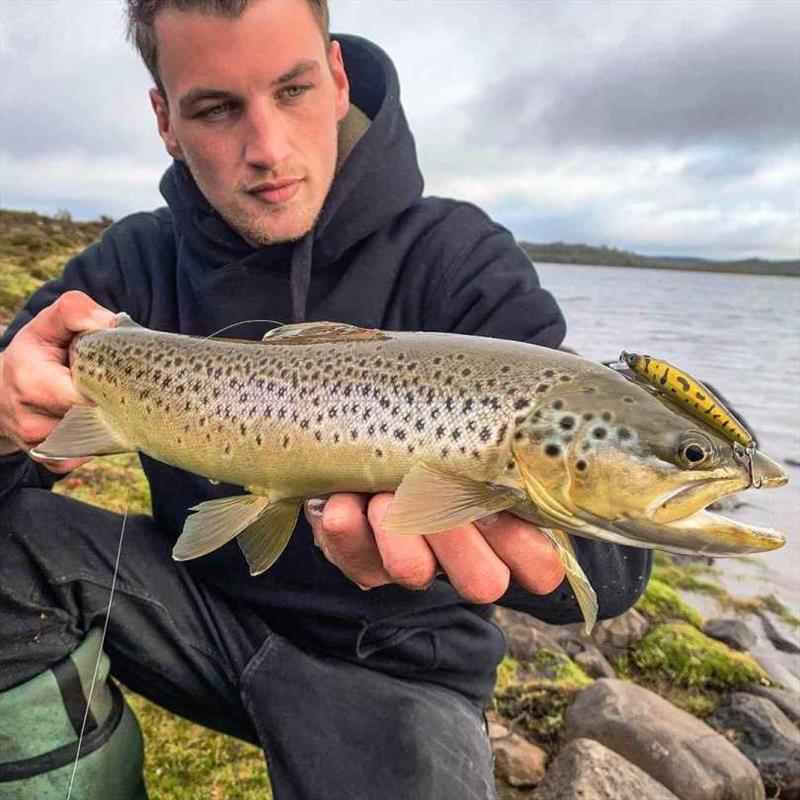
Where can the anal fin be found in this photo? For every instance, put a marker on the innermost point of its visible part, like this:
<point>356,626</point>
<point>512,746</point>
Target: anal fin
<point>216,522</point>
<point>584,593</point>
<point>263,528</point>
<point>84,431</point>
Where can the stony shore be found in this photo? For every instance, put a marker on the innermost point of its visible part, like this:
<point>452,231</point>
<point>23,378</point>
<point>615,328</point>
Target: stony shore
<point>657,703</point>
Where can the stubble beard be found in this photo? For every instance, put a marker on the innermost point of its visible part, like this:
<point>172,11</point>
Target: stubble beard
<point>254,227</point>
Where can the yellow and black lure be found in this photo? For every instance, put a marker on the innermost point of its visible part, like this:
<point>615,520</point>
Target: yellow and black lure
<point>696,398</point>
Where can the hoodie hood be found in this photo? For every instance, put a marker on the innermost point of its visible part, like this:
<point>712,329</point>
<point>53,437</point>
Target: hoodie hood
<point>377,180</point>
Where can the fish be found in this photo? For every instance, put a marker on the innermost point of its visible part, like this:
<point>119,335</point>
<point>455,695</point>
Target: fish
<point>458,427</point>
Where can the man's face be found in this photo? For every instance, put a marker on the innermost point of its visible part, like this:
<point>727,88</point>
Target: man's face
<point>253,107</point>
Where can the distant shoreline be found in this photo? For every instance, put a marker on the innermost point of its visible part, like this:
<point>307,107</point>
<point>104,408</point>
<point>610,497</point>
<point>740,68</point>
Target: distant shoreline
<point>584,255</point>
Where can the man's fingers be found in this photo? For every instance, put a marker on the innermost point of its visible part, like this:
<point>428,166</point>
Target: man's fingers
<point>343,532</point>
<point>474,569</point>
<point>532,559</point>
<point>73,312</point>
<point>407,559</point>
<point>51,390</point>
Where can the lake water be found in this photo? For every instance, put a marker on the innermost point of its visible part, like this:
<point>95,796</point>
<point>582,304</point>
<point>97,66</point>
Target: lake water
<point>741,333</point>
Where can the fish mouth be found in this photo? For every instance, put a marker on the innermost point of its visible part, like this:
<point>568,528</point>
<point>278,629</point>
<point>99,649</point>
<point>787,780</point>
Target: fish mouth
<point>703,533</point>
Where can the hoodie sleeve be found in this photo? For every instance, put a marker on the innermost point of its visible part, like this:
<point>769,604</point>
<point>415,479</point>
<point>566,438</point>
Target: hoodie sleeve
<point>97,272</point>
<point>491,288</point>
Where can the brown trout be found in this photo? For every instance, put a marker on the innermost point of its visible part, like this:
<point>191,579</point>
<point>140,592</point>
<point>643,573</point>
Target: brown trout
<point>458,426</point>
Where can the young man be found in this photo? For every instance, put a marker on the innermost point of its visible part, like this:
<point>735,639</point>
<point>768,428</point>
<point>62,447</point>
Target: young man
<point>294,194</point>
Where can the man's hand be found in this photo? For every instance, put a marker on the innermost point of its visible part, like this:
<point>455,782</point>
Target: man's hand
<point>36,388</point>
<point>479,559</point>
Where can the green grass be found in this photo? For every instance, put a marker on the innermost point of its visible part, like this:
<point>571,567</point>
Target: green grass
<point>34,249</point>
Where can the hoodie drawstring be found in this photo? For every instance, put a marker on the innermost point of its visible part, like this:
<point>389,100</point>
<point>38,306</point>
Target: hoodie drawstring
<point>300,276</point>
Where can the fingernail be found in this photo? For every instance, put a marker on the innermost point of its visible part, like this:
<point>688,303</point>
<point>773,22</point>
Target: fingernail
<point>315,506</point>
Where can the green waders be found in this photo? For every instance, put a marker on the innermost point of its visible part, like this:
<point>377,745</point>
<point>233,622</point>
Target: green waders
<point>40,722</point>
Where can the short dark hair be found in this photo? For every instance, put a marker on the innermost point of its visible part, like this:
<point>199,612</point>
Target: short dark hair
<point>142,14</point>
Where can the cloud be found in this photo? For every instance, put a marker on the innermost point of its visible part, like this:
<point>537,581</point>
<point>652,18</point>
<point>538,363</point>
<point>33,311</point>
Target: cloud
<point>666,127</point>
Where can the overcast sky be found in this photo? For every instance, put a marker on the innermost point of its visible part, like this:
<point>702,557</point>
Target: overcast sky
<point>662,127</point>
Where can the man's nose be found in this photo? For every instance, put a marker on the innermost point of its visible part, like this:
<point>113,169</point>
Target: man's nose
<point>266,142</point>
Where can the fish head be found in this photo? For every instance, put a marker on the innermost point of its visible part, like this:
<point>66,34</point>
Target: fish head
<point>610,456</point>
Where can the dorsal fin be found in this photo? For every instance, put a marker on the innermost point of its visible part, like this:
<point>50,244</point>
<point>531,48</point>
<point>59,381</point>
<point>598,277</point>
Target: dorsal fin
<point>124,321</point>
<point>321,333</point>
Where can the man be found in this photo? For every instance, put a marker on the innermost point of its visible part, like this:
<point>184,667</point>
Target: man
<point>294,194</point>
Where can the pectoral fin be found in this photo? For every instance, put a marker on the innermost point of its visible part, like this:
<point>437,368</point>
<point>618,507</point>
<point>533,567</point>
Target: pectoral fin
<point>263,542</point>
<point>585,595</point>
<point>430,499</point>
<point>84,431</point>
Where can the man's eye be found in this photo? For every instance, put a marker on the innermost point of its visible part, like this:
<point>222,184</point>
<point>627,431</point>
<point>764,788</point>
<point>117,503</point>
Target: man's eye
<point>215,111</point>
<point>293,92</point>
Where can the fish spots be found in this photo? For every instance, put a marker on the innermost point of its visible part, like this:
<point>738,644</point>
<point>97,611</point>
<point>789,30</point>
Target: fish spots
<point>552,450</point>
<point>588,416</point>
<point>623,434</point>
<point>580,465</point>
<point>606,416</point>
<point>286,441</point>
<point>510,465</point>
<point>558,404</point>
<point>378,452</point>
<point>520,403</point>
<point>542,388</point>
<point>599,433</point>
<point>628,399</point>
<point>567,422</point>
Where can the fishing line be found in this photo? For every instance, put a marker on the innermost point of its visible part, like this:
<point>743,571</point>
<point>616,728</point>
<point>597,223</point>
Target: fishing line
<point>243,322</point>
<point>99,651</point>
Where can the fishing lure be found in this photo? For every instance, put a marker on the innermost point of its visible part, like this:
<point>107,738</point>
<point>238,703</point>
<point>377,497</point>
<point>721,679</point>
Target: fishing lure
<point>696,398</point>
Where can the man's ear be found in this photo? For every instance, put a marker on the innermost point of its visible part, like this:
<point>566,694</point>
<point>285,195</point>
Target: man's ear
<point>161,110</point>
<point>336,63</point>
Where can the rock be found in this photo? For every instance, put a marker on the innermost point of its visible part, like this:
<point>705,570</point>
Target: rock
<point>788,702</point>
<point>679,751</point>
<point>586,770</point>
<point>779,641</point>
<point>770,662</point>
<point>613,636</point>
<point>766,736</point>
<point>733,632</point>
<point>594,663</point>
<point>525,637</point>
<point>517,762</point>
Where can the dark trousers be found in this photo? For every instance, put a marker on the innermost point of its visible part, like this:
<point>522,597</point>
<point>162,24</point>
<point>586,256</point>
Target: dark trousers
<point>329,729</point>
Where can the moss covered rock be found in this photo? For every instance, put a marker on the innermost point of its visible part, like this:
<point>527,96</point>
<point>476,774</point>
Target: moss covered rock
<point>691,659</point>
<point>661,603</point>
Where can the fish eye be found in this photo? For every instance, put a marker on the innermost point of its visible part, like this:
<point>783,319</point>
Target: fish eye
<point>694,452</point>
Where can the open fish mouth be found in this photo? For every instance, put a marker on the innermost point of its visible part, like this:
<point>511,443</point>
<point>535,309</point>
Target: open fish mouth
<point>704,533</point>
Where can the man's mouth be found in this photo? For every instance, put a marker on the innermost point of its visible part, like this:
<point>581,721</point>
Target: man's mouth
<point>276,191</point>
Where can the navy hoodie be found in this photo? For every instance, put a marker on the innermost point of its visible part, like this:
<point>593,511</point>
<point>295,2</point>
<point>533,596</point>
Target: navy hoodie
<point>380,255</point>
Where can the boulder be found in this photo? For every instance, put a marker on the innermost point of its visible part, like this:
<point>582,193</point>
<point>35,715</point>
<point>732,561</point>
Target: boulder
<point>613,636</point>
<point>676,749</point>
<point>766,736</point>
<point>788,702</point>
<point>526,636</point>
<point>586,770</point>
<point>733,632</point>
<point>517,762</point>
<point>594,663</point>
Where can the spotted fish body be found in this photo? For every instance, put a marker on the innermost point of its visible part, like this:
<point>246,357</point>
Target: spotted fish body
<point>458,426</point>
